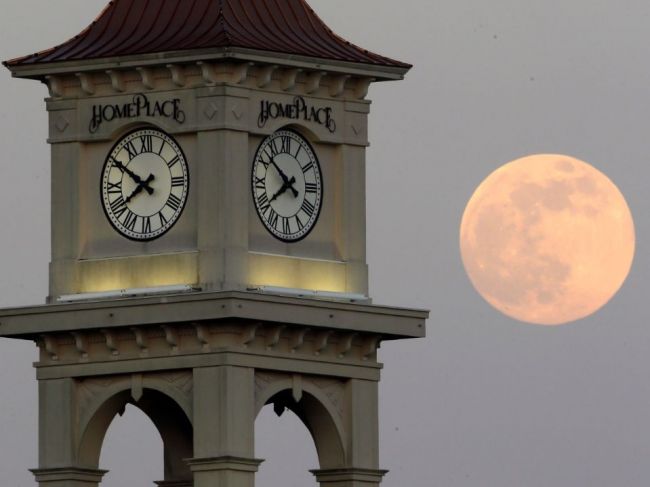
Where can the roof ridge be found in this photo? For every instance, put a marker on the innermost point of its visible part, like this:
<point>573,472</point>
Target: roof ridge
<point>222,20</point>
<point>138,27</point>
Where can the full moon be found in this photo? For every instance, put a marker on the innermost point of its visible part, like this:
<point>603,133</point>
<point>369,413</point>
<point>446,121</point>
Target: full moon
<point>547,239</point>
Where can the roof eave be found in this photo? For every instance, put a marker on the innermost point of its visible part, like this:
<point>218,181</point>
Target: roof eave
<point>391,322</point>
<point>39,71</point>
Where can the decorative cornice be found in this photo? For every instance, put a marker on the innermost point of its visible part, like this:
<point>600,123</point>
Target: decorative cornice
<point>124,344</point>
<point>103,82</point>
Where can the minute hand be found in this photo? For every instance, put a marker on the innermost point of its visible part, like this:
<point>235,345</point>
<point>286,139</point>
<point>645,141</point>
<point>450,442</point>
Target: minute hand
<point>285,179</point>
<point>134,176</point>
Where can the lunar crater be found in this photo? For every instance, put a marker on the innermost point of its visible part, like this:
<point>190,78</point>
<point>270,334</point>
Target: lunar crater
<point>547,239</point>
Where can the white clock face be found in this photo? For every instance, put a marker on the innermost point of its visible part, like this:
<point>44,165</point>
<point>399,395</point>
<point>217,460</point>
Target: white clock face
<point>287,185</point>
<point>144,184</point>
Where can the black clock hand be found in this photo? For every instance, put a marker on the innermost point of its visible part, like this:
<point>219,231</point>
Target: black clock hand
<point>142,185</point>
<point>133,176</point>
<point>293,190</point>
<point>287,184</point>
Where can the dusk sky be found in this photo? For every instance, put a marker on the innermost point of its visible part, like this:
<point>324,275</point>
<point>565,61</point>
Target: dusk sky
<point>484,400</point>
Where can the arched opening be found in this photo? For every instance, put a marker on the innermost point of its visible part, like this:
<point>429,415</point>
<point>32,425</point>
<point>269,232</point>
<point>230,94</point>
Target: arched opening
<point>284,443</point>
<point>287,449</point>
<point>132,451</point>
<point>170,421</point>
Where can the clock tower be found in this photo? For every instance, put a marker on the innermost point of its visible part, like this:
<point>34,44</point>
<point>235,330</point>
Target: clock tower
<point>208,239</point>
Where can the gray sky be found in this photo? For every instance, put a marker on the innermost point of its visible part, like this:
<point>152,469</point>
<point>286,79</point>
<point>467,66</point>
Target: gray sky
<point>483,400</point>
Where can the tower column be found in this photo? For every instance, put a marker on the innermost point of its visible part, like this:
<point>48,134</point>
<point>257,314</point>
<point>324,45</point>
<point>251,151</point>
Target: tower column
<point>58,463</point>
<point>362,448</point>
<point>224,420</point>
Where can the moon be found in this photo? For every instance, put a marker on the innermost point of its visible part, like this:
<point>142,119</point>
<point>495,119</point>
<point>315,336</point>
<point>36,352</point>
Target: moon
<point>547,239</point>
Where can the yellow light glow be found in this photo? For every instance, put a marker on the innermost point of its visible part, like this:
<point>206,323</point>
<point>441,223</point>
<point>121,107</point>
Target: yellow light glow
<point>547,239</point>
<point>138,272</point>
<point>287,272</point>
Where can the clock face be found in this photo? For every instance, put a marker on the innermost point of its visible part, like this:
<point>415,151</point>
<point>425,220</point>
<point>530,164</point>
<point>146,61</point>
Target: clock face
<point>144,184</point>
<point>287,185</point>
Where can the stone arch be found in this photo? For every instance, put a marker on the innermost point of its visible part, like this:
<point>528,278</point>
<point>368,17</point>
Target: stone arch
<point>306,132</point>
<point>316,412</point>
<point>101,391</point>
<point>160,124</point>
<point>168,414</point>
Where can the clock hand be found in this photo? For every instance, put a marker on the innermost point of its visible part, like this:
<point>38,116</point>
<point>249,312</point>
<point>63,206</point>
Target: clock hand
<point>288,184</point>
<point>293,190</point>
<point>133,175</point>
<point>285,179</point>
<point>282,175</point>
<point>142,185</point>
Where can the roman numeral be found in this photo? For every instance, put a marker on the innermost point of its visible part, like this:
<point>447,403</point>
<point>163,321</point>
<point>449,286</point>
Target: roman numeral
<point>173,162</point>
<point>307,168</point>
<point>118,207</point>
<point>285,144</point>
<point>273,148</point>
<point>286,228</point>
<point>147,143</point>
<point>117,164</point>
<point>265,163</point>
<point>178,181</point>
<point>311,188</point>
<point>308,208</point>
<point>174,202</point>
<point>130,148</point>
<point>162,146</point>
<point>263,201</point>
<point>273,218</point>
<point>298,151</point>
<point>114,188</point>
<point>299,223</point>
<point>163,220</point>
<point>146,224</point>
<point>260,183</point>
<point>130,221</point>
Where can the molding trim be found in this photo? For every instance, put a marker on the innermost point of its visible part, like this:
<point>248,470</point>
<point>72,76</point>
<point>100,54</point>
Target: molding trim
<point>326,476</point>
<point>225,462</point>
<point>75,474</point>
<point>188,339</point>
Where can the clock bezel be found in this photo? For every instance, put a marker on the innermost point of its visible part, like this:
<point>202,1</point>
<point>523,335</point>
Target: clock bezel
<point>265,224</point>
<point>177,215</point>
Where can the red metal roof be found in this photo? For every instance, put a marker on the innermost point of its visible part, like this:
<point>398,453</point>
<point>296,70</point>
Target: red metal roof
<point>132,27</point>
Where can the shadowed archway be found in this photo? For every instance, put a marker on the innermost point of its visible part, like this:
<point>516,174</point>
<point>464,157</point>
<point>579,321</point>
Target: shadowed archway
<point>167,416</point>
<point>318,416</point>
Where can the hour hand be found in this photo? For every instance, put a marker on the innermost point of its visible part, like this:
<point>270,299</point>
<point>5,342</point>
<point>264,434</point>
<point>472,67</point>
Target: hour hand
<point>142,185</point>
<point>288,184</point>
<point>138,180</point>
<point>293,190</point>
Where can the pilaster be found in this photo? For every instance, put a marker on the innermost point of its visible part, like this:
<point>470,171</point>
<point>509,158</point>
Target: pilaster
<point>224,420</point>
<point>362,424</point>
<point>57,426</point>
<point>224,471</point>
